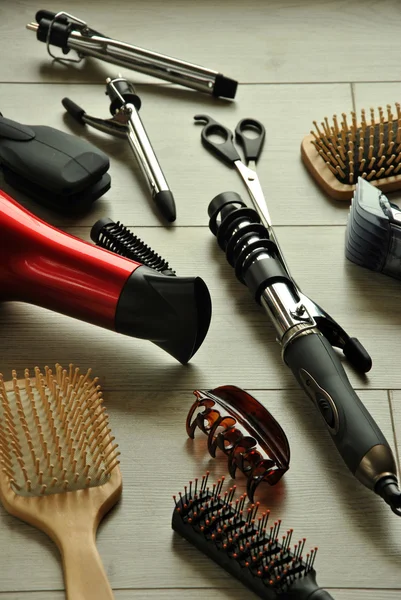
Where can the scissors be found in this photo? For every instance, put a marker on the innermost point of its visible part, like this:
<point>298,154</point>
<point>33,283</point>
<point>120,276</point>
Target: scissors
<point>252,148</point>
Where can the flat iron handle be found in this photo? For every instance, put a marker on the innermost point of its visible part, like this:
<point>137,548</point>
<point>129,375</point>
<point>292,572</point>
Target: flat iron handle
<point>58,162</point>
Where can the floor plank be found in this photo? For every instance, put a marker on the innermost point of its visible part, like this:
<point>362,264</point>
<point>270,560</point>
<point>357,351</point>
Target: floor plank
<point>195,176</point>
<point>371,95</point>
<point>271,42</point>
<point>226,594</point>
<point>366,304</point>
<point>395,406</point>
<point>348,523</point>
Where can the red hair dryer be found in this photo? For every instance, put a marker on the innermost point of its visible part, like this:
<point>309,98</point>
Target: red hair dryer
<point>42,265</point>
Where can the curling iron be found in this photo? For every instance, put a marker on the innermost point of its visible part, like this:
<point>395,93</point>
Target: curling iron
<point>307,335</point>
<point>70,33</point>
<point>126,123</point>
<point>44,266</point>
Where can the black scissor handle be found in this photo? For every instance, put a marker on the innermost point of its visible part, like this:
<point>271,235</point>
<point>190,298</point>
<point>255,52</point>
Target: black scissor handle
<point>252,146</point>
<point>224,150</point>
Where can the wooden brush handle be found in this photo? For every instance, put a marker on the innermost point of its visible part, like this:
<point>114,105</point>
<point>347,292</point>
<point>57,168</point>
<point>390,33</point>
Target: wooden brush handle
<point>84,575</point>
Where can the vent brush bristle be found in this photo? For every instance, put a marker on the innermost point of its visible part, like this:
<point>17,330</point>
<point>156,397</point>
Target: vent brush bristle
<point>247,547</point>
<point>59,467</point>
<point>337,153</point>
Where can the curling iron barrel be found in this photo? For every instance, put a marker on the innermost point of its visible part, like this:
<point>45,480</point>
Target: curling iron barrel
<point>126,122</point>
<point>47,267</point>
<point>70,33</point>
<point>306,334</point>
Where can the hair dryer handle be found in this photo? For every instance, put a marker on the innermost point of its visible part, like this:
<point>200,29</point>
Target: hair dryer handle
<point>42,265</point>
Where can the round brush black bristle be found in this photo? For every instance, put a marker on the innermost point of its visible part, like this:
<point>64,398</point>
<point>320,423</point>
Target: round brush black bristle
<point>249,548</point>
<point>370,149</point>
<point>119,239</point>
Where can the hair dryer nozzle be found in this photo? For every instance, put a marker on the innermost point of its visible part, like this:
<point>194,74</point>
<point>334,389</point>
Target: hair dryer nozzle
<point>172,312</point>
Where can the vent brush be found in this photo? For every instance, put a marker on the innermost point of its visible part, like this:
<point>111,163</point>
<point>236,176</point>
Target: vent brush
<point>337,153</point>
<point>60,467</point>
<point>246,547</point>
<point>119,239</point>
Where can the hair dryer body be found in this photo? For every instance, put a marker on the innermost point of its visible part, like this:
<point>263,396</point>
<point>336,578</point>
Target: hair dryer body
<point>42,265</point>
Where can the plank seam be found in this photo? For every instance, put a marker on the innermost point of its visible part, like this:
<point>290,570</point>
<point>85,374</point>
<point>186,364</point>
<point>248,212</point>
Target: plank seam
<point>390,403</point>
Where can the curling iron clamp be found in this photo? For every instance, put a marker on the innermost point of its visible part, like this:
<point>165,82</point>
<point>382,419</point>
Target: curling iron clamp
<point>70,33</point>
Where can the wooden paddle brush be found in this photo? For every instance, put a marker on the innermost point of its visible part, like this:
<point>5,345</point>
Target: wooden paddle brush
<point>337,154</point>
<point>59,467</point>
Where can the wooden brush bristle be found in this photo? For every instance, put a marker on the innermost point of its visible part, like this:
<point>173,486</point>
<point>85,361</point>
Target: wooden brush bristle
<point>54,432</point>
<point>370,149</point>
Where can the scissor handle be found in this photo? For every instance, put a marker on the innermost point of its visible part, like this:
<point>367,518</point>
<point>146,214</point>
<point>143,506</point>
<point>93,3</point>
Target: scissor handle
<point>224,150</point>
<point>252,146</point>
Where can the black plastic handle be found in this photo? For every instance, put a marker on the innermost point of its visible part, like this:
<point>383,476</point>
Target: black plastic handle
<point>224,150</point>
<point>319,371</point>
<point>74,110</point>
<point>252,145</point>
<point>48,15</point>
<point>320,594</point>
<point>306,588</point>
<point>121,88</point>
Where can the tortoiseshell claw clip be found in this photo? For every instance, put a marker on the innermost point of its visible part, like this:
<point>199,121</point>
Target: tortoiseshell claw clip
<point>248,435</point>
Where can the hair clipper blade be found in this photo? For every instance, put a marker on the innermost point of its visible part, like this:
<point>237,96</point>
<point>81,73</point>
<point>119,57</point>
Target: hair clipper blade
<point>373,234</point>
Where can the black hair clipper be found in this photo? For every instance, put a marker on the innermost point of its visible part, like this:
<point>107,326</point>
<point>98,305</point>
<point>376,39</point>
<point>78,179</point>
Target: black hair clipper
<point>56,169</point>
<point>373,235</point>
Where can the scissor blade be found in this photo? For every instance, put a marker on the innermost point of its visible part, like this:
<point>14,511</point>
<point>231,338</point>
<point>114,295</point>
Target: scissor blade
<point>254,188</point>
<point>252,183</point>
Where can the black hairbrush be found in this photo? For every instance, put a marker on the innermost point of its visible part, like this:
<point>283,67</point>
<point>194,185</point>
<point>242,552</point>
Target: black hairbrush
<point>243,545</point>
<point>119,239</point>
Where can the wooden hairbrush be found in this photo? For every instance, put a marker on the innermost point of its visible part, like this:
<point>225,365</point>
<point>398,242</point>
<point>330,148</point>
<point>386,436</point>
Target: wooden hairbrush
<point>337,154</point>
<point>59,467</point>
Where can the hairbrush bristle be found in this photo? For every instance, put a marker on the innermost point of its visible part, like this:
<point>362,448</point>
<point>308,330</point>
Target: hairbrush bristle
<point>247,547</point>
<point>370,149</point>
<point>54,432</point>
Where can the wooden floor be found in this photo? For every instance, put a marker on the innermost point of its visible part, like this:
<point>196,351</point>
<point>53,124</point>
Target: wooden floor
<point>296,62</point>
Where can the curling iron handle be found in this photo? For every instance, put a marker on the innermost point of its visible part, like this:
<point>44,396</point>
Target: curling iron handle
<point>358,438</point>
